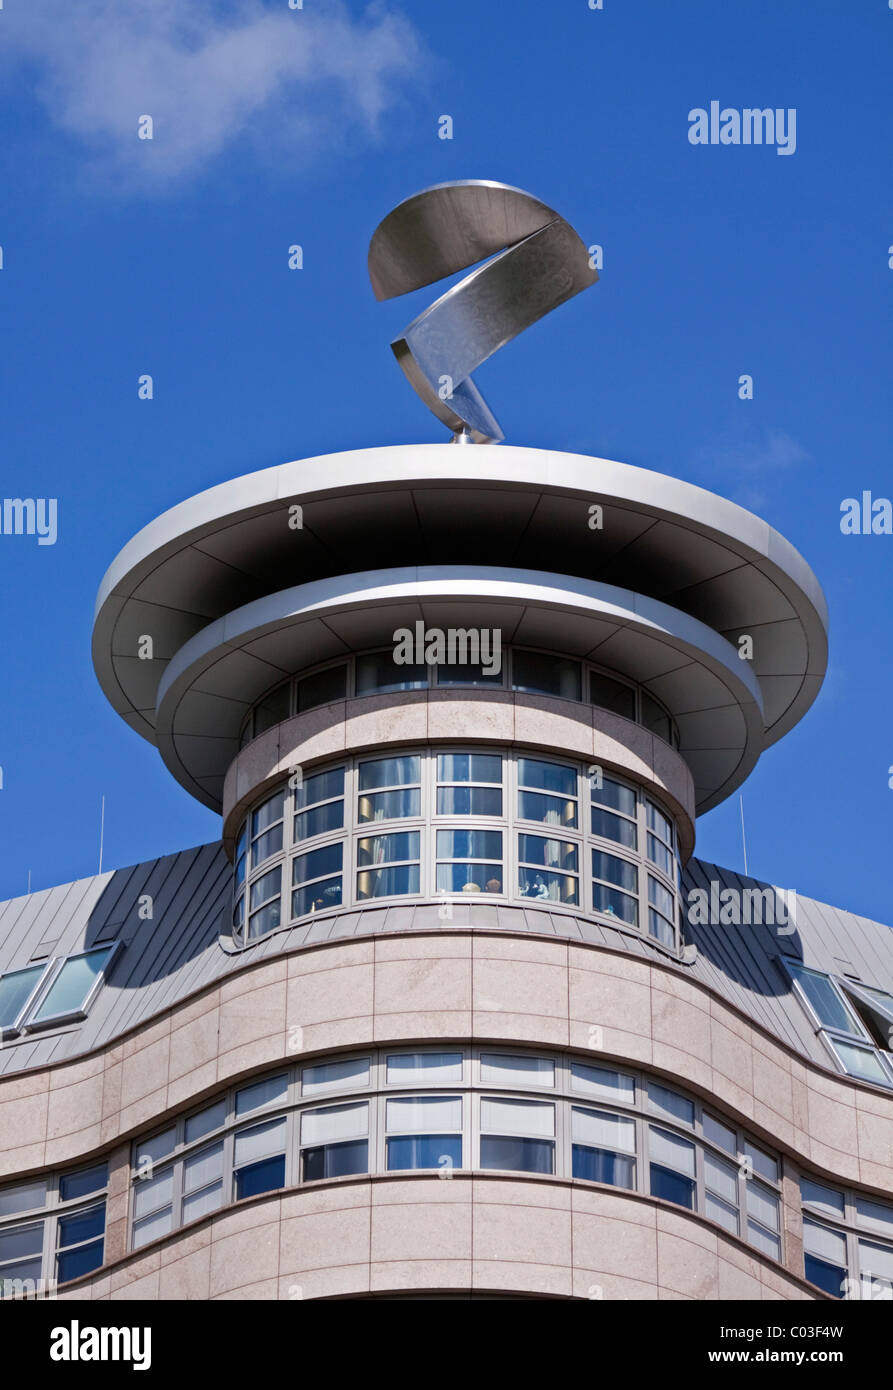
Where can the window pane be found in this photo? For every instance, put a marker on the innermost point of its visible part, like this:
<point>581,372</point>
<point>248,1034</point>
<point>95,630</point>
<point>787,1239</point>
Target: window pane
<point>19,1242</point>
<point>658,823</point>
<point>546,675</point>
<point>549,887</point>
<point>69,990</point>
<point>601,1165</point>
<point>654,718</point>
<point>389,772</point>
<point>329,816</point>
<point>154,1192</point>
<point>720,1134</point>
<point>335,1160</point>
<point>259,1141</point>
<point>825,1001</point>
<point>825,1198</point>
<point>200,1203</point>
<point>22,1269</point>
<point>203,1168</point>
<point>660,855</point>
<point>322,786</point>
<point>267,1175</point>
<point>327,1076</point>
<point>831,1278</point>
<point>763,1240</point>
<point>762,1163</point>
<point>547,810</point>
<point>471,674</point>
<point>424,1151</point>
<point>762,1205</point>
<point>71,1264</point>
<point>469,844</point>
<point>14,991</point>
<point>723,1212</point>
<point>672,1187</point>
<point>81,1225</point>
<point>517,1071</point>
<point>518,1155</point>
<point>469,878</point>
<point>272,709</point>
<point>265,887</point>
<point>386,849</point>
<point>469,801</point>
<point>671,1152</point>
<point>617,871</point>
<point>424,1066</point>
<point>394,805</point>
<point>822,1241</point>
<point>424,1115</point>
<point>205,1121</point>
<point>81,1184</point>
<point>517,1116</point>
<point>26,1196</point>
<point>160,1223</point>
<point>547,777</point>
<point>379,671</point>
<point>550,854</point>
<point>874,1215</point>
<point>661,929</point>
<point>721,1179</point>
<point>613,903</point>
<point>267,1092</point>
<point>611,827</point>
<point>325,893</point>
<point>388,883</point>
<point>268,814</point>
<point>156,1148</point>
<point>469,767</point>
<point>876,1270</point>
<point>334,1122</point>
<point>670,1103</point>
<point>599,1081</point>
<point>599,1130</point>
<point>319,863</point>
<point>861,1062</point>
<point>660,898</point>
<point>327,685</point>
<point>612,695</point>
<point>615,795</point>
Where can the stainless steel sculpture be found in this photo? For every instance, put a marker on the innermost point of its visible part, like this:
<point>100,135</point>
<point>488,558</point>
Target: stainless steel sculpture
<point>538,262</point>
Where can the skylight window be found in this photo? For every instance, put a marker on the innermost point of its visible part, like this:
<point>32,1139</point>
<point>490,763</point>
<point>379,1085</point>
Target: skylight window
<point>855,1022</point>
<point>17,989</point>
<point>72,988</point>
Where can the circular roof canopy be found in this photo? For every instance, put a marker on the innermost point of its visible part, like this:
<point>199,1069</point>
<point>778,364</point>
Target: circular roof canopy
<point>219,673</point>
<point>438,504</point>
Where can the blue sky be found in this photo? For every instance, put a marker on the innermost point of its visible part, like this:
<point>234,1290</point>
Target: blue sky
<point>275,126</point>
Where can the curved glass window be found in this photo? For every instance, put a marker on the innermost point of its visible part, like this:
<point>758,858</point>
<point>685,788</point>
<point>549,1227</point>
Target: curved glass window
<point>523,669</point>
<point>440,823</point>
<point>406,1109</point>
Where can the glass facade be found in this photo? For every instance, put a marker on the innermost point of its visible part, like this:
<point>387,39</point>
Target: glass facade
<point>523,669</point>
<point>433,823</point>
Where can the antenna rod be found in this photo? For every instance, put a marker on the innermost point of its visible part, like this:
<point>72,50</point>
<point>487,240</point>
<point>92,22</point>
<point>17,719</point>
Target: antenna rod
<point>102,833</point>
<point>743,836</point>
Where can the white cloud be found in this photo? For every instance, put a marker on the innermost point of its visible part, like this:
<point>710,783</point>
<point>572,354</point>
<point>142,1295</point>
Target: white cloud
<point>775,451</point>
<point>209,73</point>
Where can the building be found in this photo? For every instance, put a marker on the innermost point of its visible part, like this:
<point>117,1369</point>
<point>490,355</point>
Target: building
<point>451,1009</point>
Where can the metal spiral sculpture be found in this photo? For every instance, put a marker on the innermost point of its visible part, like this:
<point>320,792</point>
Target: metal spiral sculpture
<point>538,262</point>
